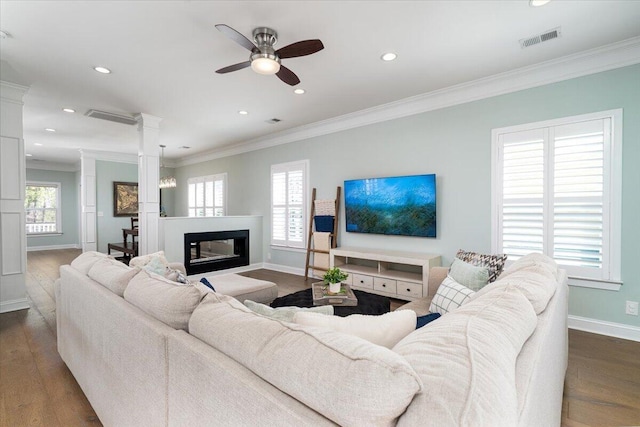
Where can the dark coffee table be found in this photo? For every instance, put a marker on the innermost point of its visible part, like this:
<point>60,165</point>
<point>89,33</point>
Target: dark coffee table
<point>367,303</point>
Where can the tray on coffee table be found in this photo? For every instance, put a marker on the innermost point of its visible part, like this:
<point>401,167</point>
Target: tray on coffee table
<point>322,296</point>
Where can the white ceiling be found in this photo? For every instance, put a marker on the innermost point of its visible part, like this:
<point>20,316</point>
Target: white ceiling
<point>163,55</point>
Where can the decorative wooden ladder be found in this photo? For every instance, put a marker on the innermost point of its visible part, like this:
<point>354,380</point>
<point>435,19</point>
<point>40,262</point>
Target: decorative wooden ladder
<point>333,235</point>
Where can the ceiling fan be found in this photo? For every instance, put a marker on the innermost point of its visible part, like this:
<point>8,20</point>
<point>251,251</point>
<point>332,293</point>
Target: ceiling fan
<point>264,58</point>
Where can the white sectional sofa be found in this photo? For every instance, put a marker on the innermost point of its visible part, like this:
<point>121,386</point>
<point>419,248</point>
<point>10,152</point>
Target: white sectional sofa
<point>148,352</point>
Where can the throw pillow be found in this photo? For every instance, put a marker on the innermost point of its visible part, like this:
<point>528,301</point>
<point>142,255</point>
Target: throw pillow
<point>285,313</point>
<point>156,265</point>
<point>426,319</point>
<point>469,275</point>
<point>385,330</point>
<point>176,276</point>
<point>208,284</point>
<point>142,260</point>
<point>495,263</point>
<point>450,295</point>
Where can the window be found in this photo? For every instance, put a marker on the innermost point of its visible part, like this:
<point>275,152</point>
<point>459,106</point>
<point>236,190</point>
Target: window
<point>289,188</point>
<point>557,189</point>
<point>208,195</point>
<point>41,204</point>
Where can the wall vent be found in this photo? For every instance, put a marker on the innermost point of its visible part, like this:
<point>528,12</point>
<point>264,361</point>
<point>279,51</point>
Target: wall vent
<point>112,117</point>
<point>273,121</point>
<point>546,36</point>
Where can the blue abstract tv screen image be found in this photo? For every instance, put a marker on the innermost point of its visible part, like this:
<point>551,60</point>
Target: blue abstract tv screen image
<point>401,205</point>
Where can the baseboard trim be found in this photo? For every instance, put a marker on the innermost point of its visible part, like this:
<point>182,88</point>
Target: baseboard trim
<point>14,305</point>
<point>53,247</point>
<point>284,269</point>
<point>601,327</point>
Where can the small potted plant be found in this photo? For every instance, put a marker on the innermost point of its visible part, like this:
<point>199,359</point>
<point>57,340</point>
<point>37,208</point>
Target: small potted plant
<point>334,278</point>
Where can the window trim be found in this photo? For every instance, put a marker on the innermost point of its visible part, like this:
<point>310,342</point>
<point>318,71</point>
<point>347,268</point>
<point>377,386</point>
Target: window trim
<point>58,187</point>
<point>613,191</point>
<point>209,178</point>
<point>304,164</point>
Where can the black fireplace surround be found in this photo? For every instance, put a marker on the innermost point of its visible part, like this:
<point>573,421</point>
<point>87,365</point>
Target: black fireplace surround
<point>215,250</point>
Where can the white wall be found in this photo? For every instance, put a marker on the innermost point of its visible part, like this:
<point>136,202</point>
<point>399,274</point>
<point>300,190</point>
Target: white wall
<point>13,243</point>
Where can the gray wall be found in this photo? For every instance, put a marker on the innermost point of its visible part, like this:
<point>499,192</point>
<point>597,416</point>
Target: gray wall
<point>455,144</point>
<point>110,227</point>
<point>69,208</point>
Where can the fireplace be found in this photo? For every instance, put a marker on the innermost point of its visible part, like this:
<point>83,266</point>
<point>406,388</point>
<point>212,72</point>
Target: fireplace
<point>215,250</point>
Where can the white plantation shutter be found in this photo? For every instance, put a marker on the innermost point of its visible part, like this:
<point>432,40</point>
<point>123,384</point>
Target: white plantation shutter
<point>523,193</point>
<point>288,204</point>
<point>207,195</point>
<point>554,193</point>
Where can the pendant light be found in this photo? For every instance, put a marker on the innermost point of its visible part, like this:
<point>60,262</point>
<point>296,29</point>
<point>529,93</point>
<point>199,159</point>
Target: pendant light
<point>166,181</point>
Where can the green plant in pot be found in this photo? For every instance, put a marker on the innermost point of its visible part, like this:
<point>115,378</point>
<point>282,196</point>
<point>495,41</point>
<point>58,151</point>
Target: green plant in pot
<point>334,278</point>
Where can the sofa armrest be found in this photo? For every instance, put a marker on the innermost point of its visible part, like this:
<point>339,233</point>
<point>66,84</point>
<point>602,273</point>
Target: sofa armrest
<point>436,276</point>
<point>420,306</point>
<point>178,266</point>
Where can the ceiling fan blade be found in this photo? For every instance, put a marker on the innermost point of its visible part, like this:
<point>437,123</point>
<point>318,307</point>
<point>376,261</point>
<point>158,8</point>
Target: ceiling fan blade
<point>287,76</point>
<point>301,48</point>
<point>234,67</point>
<point>237,37</point>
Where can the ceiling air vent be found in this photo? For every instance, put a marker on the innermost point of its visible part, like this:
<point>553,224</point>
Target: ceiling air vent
<point>273,121</point>
<point>112,117</point>
<point>546,36</point>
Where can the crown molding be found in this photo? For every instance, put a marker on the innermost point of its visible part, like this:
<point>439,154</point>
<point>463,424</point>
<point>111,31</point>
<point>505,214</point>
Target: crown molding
<point>616,55</point>
<point>53,166</point>
<point>12,92</point>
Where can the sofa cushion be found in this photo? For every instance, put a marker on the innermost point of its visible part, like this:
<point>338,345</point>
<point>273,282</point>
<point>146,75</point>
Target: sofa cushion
<point>286,314</point>
<point>112,274</point>
<point>385,330</point>
<point>472,276</point>
<point>85,261</point>
<point>533,276</point>
<point>450,296</point>
<point>467,360</point>
<point>345,378</point>
<point>167,301</point>
<point>495,263</point>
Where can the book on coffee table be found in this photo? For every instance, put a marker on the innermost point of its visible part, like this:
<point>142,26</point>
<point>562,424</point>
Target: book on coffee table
<point>322,296</point>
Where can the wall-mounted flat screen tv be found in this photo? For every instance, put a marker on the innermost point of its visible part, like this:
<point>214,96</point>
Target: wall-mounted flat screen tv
<point>401,205</point>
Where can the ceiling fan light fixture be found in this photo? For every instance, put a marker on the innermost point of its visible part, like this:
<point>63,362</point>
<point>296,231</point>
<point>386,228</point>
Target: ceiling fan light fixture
<point>265,65</point>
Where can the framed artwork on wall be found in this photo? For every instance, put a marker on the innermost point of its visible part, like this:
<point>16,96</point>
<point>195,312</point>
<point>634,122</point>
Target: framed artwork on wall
<point>125,199</point>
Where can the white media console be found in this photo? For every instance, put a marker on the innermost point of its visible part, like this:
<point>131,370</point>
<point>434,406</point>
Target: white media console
<point>402,275</point>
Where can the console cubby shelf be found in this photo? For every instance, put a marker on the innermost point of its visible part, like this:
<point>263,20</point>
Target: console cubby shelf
<point>397,274</point>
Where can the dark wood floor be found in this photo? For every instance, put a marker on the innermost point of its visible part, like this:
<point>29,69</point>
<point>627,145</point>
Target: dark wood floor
<point>602,386</point>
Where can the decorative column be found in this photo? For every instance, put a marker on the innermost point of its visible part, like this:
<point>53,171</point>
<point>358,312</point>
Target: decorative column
<point>13,235</point>
<point>88,202</point>
<point>148,181</point>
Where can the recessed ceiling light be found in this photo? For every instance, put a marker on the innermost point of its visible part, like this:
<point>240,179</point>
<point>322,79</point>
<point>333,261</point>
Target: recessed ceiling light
<point>102,70</point>
<point>243,112</point>
<point>538,3</point>
<point>68,110</point>
<point>28,155</point>
<point>50,130</point>
<point>299,91</point>
<point>389,56</point>
<point>37,144</point>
